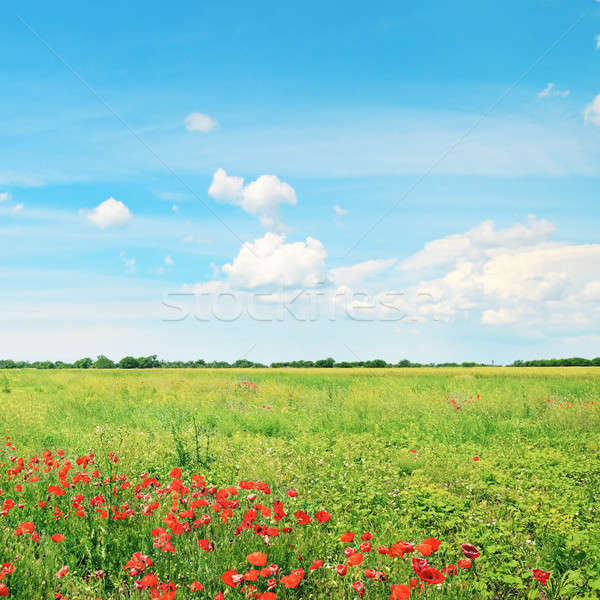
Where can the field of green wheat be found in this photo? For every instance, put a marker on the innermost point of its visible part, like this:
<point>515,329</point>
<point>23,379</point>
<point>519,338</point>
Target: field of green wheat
<point>108,478</point>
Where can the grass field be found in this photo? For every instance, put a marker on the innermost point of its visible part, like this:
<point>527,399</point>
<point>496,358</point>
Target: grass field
<point>389,452</point>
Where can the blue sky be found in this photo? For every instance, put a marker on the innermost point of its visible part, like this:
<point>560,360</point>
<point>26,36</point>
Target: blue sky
<point>391,153</point>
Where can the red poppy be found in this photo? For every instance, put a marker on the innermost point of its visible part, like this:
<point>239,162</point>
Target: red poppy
<point>470,551</point>
<point>359,588</point>
<point>418,563</point>
<point>290,581</point>
<point>322,516</point>
<point>347,537</point>
<point>196,587</point>
<point>424,549</point>
<point>476,458</point>
<point>317,564</point>
<point>540,575</point>
<point>342,570</point>
<point>464,563</point>
<point>268,596</point>
<point>258,559</point>
<point>232,578</point>
<point>355,559</point>
<point>400,592</point>
<point>57,537</point>
<point>431,576</point>
<point>62,572</point>
<point>435,544</point>
<point>3,590</point>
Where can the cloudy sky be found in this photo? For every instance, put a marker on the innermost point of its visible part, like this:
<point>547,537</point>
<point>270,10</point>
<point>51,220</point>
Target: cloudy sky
<point>224,180</point>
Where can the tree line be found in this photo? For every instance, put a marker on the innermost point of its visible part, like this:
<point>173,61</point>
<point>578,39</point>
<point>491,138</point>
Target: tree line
<point>152,362</point>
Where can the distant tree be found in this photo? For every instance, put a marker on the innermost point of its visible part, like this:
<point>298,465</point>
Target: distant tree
<point>325,363</point>
<point>83,363</point>
<point>128,362</point>
<point>145,362</point>
<point>103,362</point>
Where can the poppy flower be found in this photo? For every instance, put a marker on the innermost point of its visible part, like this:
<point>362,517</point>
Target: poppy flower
<point>424,549</point>
<point>435,544</point>
<point>232,578</point>
<point>268,596</point>
<point>62,572</point>
<point>365,547</point>
<point>464,563</point>
<point>258,559</point>
<point>341,570</point>
<point>366,536</point>
<point>347,537</point>
<point>57,537</point>
<point>302,517</point>
<point>470,551</point>
<point>3,590</point>
<point>322,516</point>
<point>317,564</point>
<point>431,576</point>
<point>540,575</point>
<point>292,493</point>
<point>418,563</point>
<point>196,587</point>
<point>355,559</point>
<point>290,581</point>
<point>359,587</point>
<point>476,458</point>
<point>400,592</point>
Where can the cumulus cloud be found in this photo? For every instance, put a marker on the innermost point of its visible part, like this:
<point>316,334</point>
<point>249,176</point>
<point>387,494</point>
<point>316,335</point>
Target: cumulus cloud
<point>110,213</point>
<point>591,113</point>
<point>261,197</point>
<point>200,122</point>
<point>478,241</point>
<point>4,196</point>
<point>271,262</point>
<point>550,90</point>
<point>514,276</point>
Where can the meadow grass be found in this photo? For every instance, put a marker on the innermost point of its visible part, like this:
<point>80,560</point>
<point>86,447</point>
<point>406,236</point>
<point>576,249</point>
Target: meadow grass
<point>344,439</point>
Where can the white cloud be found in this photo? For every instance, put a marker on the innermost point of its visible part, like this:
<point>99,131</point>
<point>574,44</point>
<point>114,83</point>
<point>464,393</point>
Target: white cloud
<point>339,211</point>
<point>481,239</point>
<point>598,41</point>
<point>591,114</point>
<point>17,208</point>
<point>550,90</point>
<point>200,122</point>
<point>175,208</point>
<point>356,274</point>
<point>169,261</point>
<point>226,188</point>
<point>270,262</point>
<point>4,196</point>
<point>512,276</point>
<point>128,263</point>
<point>110,213</point>
<point>261,197</point>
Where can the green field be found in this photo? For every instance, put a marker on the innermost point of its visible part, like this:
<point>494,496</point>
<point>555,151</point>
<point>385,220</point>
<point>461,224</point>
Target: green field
<point>390,452</point>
